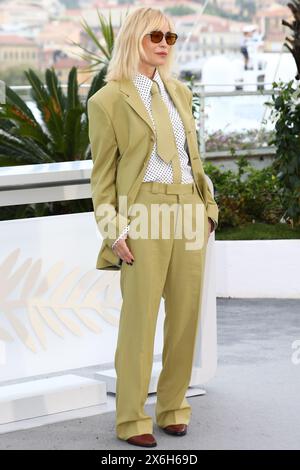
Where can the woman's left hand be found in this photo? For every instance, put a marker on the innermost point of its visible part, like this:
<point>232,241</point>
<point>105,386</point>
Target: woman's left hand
<point>211,226</point>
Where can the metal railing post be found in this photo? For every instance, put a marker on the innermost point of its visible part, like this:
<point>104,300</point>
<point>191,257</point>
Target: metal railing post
<point>2,92</point>
<point>201,130</point>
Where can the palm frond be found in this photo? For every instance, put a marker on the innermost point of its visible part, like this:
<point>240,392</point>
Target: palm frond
<point>49,106</point>
<point>97,82</point>
<point>72,131</point>
<point>24,112</point>
<point>22,150</point>
<point>73,100</point>
<point>55,91</point>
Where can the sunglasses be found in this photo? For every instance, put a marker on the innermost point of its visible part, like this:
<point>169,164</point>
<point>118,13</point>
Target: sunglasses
<point>156,36</point>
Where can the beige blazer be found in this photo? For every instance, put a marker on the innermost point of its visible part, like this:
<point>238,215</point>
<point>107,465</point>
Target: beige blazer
<point>122,137</point>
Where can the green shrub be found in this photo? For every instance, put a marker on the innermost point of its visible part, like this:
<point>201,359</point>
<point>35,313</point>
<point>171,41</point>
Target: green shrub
<point>247,195</point>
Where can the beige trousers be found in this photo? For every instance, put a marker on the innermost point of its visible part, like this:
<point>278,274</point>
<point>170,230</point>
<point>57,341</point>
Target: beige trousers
<point>163,267</point>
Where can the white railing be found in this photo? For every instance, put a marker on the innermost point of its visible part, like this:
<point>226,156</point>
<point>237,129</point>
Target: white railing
<point>201,91</point>
<point>45,182</point>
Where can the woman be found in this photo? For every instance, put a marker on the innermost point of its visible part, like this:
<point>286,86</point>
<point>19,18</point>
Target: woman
<point>145,154</point>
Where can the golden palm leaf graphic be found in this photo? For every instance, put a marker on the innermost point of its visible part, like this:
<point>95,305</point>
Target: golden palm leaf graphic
<point>45,296</point>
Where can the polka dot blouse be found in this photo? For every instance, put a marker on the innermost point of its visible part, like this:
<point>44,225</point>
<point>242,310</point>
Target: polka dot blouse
<point>158,169</point>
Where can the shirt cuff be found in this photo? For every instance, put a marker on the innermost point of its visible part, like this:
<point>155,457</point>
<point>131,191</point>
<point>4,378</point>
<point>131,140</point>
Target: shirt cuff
<point>122,235</point>
<point>215,223</point>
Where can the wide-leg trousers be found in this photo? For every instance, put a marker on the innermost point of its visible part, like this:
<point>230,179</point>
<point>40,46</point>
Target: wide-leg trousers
<point>163,268</point>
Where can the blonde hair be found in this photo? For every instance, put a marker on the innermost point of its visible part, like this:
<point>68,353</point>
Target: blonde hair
<point>128,48</point>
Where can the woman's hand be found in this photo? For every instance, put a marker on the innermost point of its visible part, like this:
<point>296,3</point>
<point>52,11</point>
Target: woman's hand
<point>211,226</point>
<point>122,251</point>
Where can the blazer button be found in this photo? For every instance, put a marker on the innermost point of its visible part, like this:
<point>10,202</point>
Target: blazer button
<point>152,138</point>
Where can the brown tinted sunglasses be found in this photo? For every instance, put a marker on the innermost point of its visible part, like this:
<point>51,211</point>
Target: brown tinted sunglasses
<point>156,36</point>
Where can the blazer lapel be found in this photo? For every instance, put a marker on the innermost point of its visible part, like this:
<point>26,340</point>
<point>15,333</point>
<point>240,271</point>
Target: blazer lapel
<point>132,96</point>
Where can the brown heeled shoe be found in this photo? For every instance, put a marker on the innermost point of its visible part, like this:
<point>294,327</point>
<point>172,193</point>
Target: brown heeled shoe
<point>176,429</point>
<point>143,440</point>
